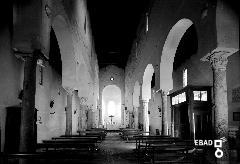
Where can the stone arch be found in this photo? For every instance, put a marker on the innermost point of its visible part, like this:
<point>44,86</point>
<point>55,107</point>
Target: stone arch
<point>146,85</point>
<point>169,51</point>
<point>146,94</point>
<point>111,105</point>
<point>66,45</point>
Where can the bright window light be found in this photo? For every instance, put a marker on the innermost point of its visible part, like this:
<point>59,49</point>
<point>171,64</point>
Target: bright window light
<point>184,77</point>
<point>146,22</point>
<point>197,95</point>
<point>184,96</point>
<point>203,95</point>
<point>111,108</point>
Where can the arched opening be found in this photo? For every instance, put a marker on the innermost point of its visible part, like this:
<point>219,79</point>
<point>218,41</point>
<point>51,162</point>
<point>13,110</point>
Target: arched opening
<point>169,50</point>
<point>146,94</point>
<point>65,42</point>
<point>180,45</point>
<point>54,53</point>
<point>111,105</point>
<point>136,112</point>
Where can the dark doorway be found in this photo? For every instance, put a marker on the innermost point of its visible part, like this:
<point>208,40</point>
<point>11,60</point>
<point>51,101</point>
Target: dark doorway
<point>184,122</point>
<point>203,122</point>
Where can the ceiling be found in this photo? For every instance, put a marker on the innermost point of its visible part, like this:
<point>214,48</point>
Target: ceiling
<point>114,24</point>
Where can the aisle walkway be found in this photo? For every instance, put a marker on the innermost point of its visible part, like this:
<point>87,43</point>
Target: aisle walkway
<point>113,150</point>
<point>117,151</point>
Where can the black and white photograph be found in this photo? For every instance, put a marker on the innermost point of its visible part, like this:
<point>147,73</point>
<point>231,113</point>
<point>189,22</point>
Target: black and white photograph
<point>119,82</point>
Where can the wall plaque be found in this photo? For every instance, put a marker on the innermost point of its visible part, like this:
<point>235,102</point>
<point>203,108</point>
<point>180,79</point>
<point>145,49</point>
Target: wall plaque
<point>236,95</point>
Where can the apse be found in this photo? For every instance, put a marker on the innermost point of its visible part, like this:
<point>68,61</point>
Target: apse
<point>111,105</point>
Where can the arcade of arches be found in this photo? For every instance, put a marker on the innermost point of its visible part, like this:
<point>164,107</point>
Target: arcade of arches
<point>181,79</point>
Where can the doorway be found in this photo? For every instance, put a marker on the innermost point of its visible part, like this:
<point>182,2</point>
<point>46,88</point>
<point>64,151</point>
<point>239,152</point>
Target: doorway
<point>202,123</point>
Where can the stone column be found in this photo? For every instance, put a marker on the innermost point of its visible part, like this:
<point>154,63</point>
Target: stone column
<point>27,139</point>
<point>136,117</point>
<point>218,61</point>
<point>100,115</point>
<point>164,113</point>
<point>93,118</point>
<point>145,116</point>
<point>69,114</point>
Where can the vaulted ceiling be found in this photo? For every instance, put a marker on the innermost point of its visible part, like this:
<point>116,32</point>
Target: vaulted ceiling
<point>114,24</point>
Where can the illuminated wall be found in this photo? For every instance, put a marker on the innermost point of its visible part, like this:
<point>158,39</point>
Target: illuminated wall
<point>111,105</point>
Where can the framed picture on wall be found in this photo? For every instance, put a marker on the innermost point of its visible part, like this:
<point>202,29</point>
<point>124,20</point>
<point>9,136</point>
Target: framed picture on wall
<point>236,116</point>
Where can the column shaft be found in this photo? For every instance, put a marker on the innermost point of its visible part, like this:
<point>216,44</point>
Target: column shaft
<point>136,117</point>
<point>218,60</point>
<point>221,108</point>
<point>69,115</point>
<point>145,116</point>
<point>164,113</point>
<point>27,140</point>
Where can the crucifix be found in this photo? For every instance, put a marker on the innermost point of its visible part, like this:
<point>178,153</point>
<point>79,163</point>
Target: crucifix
<point>111,118</point>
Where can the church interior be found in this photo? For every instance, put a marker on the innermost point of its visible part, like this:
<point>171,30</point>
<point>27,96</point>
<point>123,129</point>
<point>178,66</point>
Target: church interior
<point>119,82</point>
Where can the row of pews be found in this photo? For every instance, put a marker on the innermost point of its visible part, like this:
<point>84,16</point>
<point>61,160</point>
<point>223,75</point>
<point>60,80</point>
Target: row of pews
<point>84,141</point>
<point>83,145</point>
<point>128,133</point>
<point>166,149</point>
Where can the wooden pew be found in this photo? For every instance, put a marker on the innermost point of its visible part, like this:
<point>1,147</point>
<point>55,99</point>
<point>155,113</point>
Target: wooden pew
<point>39,156</point>
<point>85,134</point>
<point>97,138</point>
<point>168,151</point>
<point>129,133</point>
<point>141,140</point>
<point>89,144</point>
<point>101,134</point>
<point>158,145</point>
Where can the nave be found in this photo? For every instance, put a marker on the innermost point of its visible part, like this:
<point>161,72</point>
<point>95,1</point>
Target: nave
<point>166,71</point>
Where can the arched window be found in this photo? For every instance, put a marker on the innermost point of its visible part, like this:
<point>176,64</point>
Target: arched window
<point>184,77</point>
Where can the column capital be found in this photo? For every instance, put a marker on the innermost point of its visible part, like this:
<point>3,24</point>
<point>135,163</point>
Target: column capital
<point>69,90</point>
<point>83,100</point>
<point>164,92</point>
<point>145,101</point>
<point>218,57</point>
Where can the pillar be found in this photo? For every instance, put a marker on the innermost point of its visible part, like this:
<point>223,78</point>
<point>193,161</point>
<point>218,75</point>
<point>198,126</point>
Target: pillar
<point>27,139</point>
<point>164,113</point>
<point>136,117</point>
<point>123,115</point>
<point>145,116</point>
<point>218,61</point>
<point>140,109</point>
<point>93,118</point>
<point>100,115</point>
<point>69,114</point>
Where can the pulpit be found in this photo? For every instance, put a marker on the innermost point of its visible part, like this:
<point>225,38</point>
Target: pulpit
<point>191,111</point>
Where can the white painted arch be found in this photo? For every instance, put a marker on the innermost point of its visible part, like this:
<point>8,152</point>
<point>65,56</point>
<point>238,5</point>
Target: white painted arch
<point>169,51</point>
<point>147,78</point>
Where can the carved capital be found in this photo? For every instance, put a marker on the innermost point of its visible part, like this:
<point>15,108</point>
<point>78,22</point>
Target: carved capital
<point>83,100</point>
<point>218,57</point>
<point>145,101</point>
<point>164,92</point>
<point>69,90</point>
